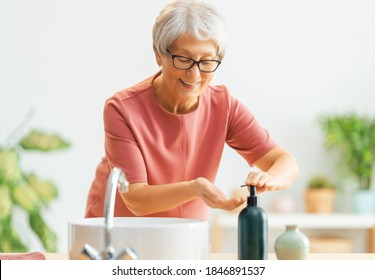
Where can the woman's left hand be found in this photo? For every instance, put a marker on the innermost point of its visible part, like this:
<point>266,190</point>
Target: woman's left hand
<point>262,181</point>
<point>276,171</point>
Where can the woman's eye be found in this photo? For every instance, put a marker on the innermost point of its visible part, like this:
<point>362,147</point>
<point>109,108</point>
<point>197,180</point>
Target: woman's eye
<point>184,60</point>
<point>206,62</point>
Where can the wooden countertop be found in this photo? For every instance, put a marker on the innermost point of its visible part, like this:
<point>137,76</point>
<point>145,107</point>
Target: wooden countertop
<point>272,256</point>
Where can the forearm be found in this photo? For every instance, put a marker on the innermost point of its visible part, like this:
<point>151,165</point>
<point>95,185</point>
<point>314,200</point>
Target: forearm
<point>279,170</point>
<point>143,199</point>
<point>285,169</point>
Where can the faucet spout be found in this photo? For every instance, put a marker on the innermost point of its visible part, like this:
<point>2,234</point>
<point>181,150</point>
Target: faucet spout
<point>116,180</point>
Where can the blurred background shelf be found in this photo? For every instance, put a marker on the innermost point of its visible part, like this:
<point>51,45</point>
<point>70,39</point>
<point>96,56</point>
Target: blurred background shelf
<point>341,231</point>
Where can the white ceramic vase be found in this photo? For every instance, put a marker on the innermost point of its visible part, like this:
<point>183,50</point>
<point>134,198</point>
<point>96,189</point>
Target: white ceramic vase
<point>292,244</point>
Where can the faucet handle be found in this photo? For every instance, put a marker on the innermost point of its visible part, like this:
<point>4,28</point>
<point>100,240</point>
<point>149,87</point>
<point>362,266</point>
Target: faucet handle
<point>89,253</point>
<point>126,254</point>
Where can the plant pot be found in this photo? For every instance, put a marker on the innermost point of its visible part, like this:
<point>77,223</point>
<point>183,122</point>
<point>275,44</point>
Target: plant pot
<point>319,200</point>
<point>364,202</point>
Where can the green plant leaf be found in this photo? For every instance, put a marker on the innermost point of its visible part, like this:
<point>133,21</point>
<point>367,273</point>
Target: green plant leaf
<point>6,204</point>
<point>10,172</point>
<point>40,141</point>
<point>45,190</point>
<point>320,182</point>
<point>45,234</point>
<point>26,197</point>
<point>10,242</point>
<point>353,136</point>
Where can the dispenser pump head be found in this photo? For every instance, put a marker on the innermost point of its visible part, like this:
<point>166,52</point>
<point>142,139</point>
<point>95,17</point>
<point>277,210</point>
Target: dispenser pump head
<point>252,199</point>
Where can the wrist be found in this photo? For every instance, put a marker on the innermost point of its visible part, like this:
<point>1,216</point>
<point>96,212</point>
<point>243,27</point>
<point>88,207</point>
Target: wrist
<point>195,186</point>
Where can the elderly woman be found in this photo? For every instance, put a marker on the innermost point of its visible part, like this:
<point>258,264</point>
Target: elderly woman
<point>167,133</point>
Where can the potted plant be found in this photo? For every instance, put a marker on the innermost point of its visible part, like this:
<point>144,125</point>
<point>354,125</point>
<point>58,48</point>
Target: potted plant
<point>26,191</point>
<point>320,195</point>
<point>353,137</point>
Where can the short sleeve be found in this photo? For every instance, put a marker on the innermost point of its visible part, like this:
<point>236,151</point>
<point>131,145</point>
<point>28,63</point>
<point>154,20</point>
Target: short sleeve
<point>245,134</point>
<point>121,147</point>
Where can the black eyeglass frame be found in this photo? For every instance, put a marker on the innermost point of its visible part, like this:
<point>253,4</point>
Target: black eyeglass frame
<point>193,62</point>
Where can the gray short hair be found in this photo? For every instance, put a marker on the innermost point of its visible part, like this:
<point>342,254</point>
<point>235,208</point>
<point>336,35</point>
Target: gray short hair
<point>195,17</point>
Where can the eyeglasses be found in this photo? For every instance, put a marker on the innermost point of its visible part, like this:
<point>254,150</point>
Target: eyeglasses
<point>185,63</point>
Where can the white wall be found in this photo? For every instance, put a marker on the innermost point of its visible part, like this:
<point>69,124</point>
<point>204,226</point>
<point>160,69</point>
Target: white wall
<point>288,61</point>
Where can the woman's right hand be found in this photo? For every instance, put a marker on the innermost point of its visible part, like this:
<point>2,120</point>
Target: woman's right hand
<point>214,197</point>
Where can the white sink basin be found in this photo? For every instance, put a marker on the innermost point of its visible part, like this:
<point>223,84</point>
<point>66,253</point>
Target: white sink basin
<point>151,238</point>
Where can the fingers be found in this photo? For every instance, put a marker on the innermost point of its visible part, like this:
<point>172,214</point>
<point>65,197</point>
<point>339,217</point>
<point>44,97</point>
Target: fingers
<point>262,181</point>
<point>258,179</point>
<point>233,203</point>
<point>215,198</point>
<point>224,203</point>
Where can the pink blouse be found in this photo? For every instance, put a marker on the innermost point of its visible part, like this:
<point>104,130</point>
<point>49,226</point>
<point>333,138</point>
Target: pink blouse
<point>152,145</point>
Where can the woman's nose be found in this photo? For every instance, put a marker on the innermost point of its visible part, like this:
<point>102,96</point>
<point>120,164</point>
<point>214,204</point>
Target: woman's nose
<point>195,69</point>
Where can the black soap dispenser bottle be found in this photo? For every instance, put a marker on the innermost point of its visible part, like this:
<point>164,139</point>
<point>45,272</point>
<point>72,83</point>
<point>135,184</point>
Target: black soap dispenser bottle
<point>252,230</point>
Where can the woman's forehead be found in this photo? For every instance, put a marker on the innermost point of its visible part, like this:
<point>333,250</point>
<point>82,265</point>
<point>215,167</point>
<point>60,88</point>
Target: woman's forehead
<point>191,45</point>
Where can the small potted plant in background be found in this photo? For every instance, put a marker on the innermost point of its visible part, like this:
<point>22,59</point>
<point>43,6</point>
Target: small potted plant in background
<point>353,137</point>
<point>320,195</point>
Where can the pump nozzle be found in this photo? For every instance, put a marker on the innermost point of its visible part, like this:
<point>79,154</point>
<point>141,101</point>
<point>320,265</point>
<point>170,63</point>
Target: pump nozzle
<point>252,191</point>
<point>252,198</point>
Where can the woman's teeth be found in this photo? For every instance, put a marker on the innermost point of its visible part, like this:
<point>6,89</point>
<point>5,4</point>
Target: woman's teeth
<point>189,84</point>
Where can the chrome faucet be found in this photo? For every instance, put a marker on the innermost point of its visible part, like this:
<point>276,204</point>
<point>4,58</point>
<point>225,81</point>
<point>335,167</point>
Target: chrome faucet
<point>116,180</point>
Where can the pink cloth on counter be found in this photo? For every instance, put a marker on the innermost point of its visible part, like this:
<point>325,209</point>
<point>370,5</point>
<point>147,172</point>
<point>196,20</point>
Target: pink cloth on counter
<point>155,146</point>
<point>22,256</point>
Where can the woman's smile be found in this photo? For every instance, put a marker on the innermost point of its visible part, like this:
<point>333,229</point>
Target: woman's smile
<point>190,85</point>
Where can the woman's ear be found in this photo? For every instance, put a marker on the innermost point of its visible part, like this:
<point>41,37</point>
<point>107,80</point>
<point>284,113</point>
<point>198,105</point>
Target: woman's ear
<point>158,58</point>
